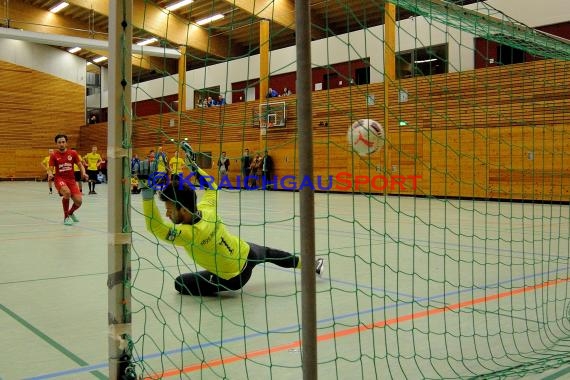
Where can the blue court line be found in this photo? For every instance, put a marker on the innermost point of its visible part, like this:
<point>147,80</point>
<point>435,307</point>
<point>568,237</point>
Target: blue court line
<point>53,343</point>
<point>292,328</point>
<point>350,315</point>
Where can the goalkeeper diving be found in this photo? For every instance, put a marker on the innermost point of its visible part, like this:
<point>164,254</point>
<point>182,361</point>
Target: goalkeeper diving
<point>228,260</point>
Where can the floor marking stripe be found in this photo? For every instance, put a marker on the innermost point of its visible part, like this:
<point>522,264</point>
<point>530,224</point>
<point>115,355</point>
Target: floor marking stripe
<point>70,355</point>
<point>354,330</point>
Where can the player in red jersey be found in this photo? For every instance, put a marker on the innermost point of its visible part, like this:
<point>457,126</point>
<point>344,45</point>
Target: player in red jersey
<point>63,159</point>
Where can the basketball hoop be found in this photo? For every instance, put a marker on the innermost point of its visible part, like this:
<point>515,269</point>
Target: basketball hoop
<point>269,115</point>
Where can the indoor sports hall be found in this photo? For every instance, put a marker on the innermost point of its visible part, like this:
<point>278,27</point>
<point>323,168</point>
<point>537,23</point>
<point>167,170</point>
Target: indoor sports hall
<point>407,161</point>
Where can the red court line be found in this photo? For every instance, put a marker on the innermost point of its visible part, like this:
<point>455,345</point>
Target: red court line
<point>354,330</point>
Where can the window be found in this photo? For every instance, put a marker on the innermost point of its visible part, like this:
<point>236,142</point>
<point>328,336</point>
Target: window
<point>93,79</point>
<point>330,80</point>
<point>507,55</point>
<point>363,75</point>
<point>420,62</point>
<point>93,92</point>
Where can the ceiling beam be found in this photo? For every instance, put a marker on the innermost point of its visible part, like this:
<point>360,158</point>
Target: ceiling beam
<point>281,12</point>
<point>168,26</point>
<point>20,15</point>
<point>36,20</point>
<point>86,43</point>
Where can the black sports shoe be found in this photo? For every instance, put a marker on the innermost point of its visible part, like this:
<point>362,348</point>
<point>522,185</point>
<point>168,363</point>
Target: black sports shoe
<point>320,266</point>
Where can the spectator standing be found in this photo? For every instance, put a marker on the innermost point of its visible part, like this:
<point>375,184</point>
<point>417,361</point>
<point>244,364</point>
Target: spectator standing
<point>255,170</point>
<point>148,165</point>
<point>103,169</point>
<point>267,169</point>
<point>223,165</point>
<point>135,164</point>
<point>245,167</point>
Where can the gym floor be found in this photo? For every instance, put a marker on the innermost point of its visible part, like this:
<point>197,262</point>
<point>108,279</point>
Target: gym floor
<point>413,288</point>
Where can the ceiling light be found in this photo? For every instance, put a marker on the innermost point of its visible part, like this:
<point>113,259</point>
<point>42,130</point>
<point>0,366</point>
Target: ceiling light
<point>74,50</point>
<point>100,59</point>
<point>210,19</point>
<point>58,7</point>
<point>147,42</point>
<point>426,60</point>
<point>178,4</point>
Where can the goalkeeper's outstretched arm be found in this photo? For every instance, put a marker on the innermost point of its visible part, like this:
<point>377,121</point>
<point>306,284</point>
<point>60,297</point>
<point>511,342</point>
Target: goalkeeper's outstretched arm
<point>200,173</point>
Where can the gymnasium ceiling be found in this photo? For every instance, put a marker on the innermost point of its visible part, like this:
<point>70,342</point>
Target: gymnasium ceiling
<point>236,35</point>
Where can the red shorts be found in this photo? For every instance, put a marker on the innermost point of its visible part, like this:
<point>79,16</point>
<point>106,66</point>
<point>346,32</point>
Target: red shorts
<point>70,183</point>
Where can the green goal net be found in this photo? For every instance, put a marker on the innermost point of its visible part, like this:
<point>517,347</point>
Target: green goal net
<point>445,239</point>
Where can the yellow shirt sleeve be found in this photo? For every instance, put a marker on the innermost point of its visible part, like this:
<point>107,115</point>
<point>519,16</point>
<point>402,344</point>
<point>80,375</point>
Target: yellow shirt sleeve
<point>75,167</point>
<point>207,242</point>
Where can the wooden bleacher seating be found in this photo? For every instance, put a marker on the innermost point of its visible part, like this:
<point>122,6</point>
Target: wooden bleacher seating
<point>468,134</point>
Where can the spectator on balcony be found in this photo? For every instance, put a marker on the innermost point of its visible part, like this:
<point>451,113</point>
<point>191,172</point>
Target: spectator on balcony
<point>271,93</point>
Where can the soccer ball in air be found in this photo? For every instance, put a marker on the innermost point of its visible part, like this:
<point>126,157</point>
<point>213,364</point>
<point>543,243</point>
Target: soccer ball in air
<point>366,136</point>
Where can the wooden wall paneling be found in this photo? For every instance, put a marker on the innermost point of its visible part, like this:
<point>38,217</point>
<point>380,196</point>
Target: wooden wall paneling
<point>467,134</point>
<point>34,107</point>
<point>529,163</point>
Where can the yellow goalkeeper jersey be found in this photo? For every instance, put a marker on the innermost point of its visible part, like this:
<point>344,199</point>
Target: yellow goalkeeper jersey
<point>207,242</point>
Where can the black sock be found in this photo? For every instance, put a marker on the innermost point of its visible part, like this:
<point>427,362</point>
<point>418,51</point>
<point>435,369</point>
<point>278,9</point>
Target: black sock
<point>274,256</point>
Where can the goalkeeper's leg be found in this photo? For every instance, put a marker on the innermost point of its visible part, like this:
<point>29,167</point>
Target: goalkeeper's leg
<point>206,283</point>
<point>275,256</point>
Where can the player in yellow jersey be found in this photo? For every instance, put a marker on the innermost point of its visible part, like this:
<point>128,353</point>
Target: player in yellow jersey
<point>45,165</point>
<point>161,161</point>
<point>92,161</point>
<point>228,260</point>
<point>176,166</point>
